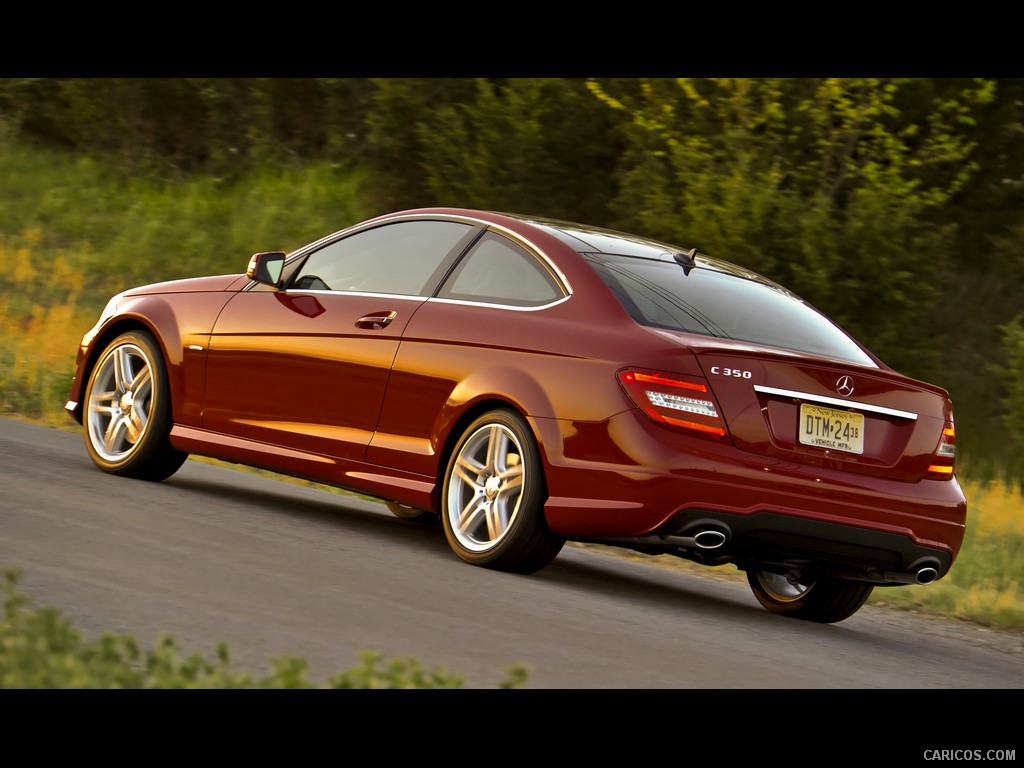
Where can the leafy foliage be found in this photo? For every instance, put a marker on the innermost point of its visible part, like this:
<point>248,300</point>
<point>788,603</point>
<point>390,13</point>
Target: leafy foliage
<point>528,145</point>
<point>820,184</point>
<point>39,649</point>
<point>1012,375</point>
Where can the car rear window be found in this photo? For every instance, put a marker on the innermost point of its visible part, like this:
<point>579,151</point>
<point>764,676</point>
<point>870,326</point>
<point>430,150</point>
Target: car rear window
<point>712,302</point>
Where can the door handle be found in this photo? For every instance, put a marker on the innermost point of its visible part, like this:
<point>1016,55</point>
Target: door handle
<point>376,322</point>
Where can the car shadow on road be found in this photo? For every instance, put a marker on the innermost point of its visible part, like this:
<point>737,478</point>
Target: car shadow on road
<point>635,581</point>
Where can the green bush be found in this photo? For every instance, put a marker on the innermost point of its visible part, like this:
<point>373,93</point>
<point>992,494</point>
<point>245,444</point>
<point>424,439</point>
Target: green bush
<point>39,649</point>
<point>1011,374</point>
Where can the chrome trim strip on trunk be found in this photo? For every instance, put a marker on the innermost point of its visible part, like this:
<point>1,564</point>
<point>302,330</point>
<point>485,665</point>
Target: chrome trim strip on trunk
<point>836,401</point>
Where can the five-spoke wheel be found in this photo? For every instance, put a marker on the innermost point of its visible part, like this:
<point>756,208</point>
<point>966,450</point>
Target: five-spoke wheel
<point>493,497</point>
<point>128,411</point>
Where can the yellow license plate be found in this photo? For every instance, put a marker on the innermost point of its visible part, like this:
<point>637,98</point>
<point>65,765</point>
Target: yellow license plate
<point>829,428</point>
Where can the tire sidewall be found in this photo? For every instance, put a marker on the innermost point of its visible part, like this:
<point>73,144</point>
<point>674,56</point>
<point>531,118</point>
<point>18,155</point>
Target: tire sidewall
<point>158,420</point>
<point>529,510</point>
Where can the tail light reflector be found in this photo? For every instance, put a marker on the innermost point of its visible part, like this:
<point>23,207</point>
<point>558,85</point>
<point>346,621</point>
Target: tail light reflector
<point>944,459</point>
<point>684,403</point>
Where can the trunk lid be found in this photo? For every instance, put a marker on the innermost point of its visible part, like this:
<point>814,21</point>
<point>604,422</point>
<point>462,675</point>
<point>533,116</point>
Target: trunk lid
<point>792,407</point>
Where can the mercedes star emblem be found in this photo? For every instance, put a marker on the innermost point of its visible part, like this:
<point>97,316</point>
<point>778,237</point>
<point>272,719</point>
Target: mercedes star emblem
<point>844,386</point>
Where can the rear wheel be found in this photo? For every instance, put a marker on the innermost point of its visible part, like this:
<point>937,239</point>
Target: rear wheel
<point>493,497</point>
<point>128,411</point>
<point>803,595</point>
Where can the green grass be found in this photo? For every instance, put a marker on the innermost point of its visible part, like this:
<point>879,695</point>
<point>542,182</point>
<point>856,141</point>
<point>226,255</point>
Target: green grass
<point>71,236</point>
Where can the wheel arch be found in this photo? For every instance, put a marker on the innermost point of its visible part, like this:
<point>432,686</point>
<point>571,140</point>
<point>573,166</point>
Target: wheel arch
<point>457,428</point>
<point>115,327</point>
<point>483,390</point>
<point>127,418</point>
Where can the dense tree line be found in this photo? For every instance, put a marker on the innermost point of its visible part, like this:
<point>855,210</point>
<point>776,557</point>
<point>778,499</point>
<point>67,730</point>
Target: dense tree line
<point>896,205</point>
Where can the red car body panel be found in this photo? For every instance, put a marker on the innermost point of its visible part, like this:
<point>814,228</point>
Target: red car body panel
<point>297,371</point>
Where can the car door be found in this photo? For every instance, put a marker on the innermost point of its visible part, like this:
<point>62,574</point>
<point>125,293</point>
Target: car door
<point>305,368</point>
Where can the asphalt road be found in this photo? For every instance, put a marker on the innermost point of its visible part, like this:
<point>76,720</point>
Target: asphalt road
<point>275,569</point>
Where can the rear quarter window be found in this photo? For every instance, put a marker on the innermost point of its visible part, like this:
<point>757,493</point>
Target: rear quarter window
<point>500,271</point>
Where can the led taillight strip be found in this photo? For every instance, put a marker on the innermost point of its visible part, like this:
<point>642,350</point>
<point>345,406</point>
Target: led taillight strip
<point>661,396</point>
<point>716,431</point>
<point>678,403</point>
<point>663,380</point>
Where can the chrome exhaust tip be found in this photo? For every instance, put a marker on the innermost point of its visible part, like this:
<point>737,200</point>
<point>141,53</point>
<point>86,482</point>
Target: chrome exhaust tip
<point>709,539</point>
<point>925,574</point>
<point>702,538</point>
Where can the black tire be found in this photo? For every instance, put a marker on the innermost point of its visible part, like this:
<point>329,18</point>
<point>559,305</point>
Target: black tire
<point>492,504</point>
<point>823,599</point>
<point>127,410</point>
<point>412,513</point>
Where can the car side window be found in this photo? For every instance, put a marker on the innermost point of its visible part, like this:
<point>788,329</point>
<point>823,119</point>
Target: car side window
<point>401,258</point>
<point>499,271</point>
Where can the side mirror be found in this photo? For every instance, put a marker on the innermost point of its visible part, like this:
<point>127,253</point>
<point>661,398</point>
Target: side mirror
<point>266,267</point>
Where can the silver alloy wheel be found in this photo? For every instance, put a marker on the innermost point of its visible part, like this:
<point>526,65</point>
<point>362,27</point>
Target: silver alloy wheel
<point>120,401</point>
<point>784,587</point>
<point>486,487</point>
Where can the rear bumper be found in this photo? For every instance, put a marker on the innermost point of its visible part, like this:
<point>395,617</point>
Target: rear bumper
<point>770,540</point>
<point>771,512</point>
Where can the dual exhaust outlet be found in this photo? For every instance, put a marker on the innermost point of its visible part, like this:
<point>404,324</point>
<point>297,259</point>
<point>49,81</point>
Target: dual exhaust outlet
<point>714,538</point>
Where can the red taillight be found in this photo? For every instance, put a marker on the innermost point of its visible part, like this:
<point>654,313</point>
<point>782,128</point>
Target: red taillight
<point>677,401</point>
<point>944,459</point>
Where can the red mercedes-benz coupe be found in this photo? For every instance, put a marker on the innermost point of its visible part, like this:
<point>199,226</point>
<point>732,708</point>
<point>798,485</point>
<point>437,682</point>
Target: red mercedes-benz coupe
<point>530,382</point>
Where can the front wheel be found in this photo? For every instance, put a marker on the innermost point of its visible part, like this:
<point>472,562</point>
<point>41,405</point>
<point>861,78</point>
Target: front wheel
<point>800,595</point>
<point>128,410</point>
<point>493,497</point>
